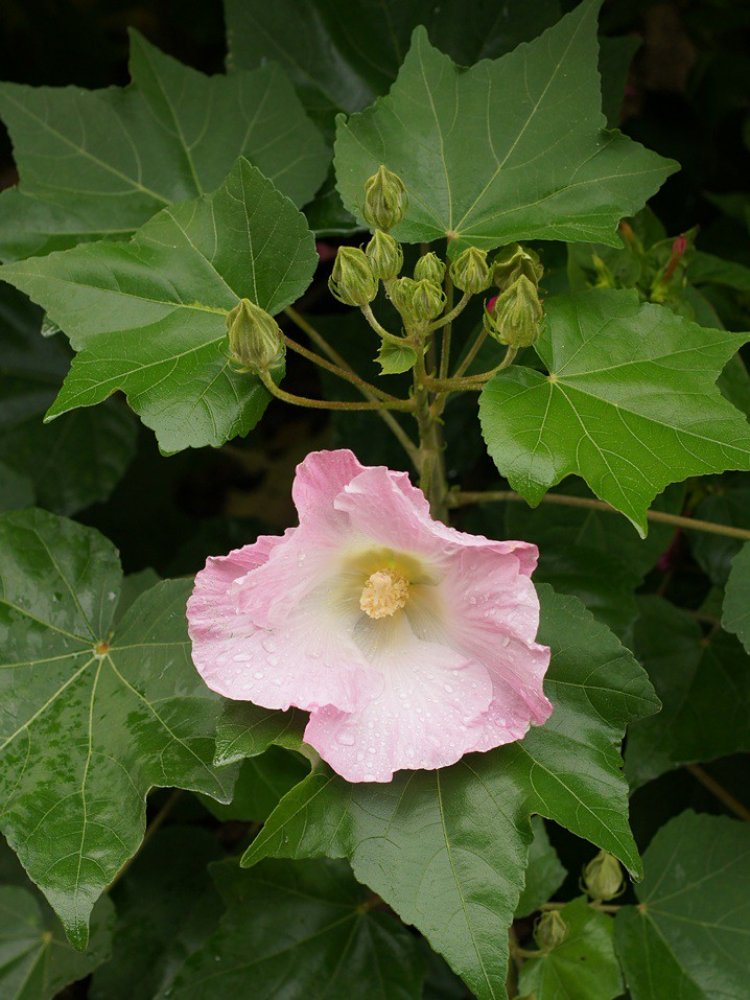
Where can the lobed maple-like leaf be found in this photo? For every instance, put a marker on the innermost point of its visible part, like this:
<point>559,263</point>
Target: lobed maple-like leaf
<point>629,403</point>
<point>509,149</point>
<point>100,163</point>
<point>94,712</point>
<point>149,316</point>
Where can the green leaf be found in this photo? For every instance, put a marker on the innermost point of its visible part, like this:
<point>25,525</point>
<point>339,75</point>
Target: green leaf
<point>341,57</point>
<point>101,163</point>
<point>583,967</point>
<point>36,961</point>
<point>688,936</point>
<point>73,462</point>
<point>544,873</point>
<point>91,719</point>
<point>540,165</point>
<point>736,614</point>
<point>261,783</point>
<point>301,930</point>
<point>704,688</point>
<point>630,403</point>
<point>148,317</point>
<point>246,730</point>
<point>447,849</point>
<point>395,359</point>
<point>167,906</point>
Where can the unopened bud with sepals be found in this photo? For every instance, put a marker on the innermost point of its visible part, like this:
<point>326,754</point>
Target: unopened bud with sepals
<point>550,930</point>
<point>352,281</point>
<point>470,272</point>
<point>255,341</point>
<point>385,255</point>
<point>602,877</point>
<point>417,301</point>
<point>385,199</point>
<point>514,261</point>
<point>430,266</point>
<point>516,315</point>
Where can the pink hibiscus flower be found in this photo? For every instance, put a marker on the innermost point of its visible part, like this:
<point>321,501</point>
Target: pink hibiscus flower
<point>409,643</point>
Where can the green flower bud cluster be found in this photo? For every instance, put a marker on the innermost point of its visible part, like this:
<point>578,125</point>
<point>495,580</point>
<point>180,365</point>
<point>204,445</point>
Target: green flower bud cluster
<point>385,256</point>
<point>255,341</point>
<point>418,301</point>
<point>602,877</point>
<point>550,930</point>
<point>515,315</point>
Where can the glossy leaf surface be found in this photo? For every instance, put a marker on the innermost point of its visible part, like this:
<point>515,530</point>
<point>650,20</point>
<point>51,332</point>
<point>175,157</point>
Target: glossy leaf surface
<point>91,719</point>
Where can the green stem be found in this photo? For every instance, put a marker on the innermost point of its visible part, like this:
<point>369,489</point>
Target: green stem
<point>381,330</point>
<point>471,353</point>
<point>447,318</point>
<point>406,405</point>
<point>352,377</point>
<point>431,458</point>
<point>719,791</point>
<point>461,498</point>
<point>319,340</point>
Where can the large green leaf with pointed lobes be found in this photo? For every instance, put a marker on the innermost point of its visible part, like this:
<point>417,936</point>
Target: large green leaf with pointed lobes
<point>447,849</point>
<point>167,905</point>
<point>736,612</point>
<point>149,317</point>
<point>300,930</point>
<point>582,967</point>
<point>36,961</point>
<point>78,459</point>
<point>629,403</point>
<point>688,936</point>
<point>92,717</point>
<point>510,149</point>
<point>342,56</point>
<point>704,687</point>
<point>100,163</point>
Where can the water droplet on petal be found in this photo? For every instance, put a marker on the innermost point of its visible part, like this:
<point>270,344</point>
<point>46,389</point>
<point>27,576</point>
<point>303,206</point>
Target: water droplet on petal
<point>258,674</point>
<point>346,739</point>
<point>242,658</point>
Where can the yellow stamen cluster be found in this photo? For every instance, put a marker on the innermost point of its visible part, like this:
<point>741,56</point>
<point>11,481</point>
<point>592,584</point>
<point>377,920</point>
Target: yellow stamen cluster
<point>384,593</point>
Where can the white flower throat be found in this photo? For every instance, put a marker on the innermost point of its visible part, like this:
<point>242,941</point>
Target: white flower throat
<point>384,593</point>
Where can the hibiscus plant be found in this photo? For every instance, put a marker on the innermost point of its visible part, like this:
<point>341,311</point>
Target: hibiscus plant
<point>446,694</point>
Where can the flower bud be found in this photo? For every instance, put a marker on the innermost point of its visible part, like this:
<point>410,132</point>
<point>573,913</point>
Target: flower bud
<point>517,315</point>
<point>352,281</point>
<point>385,199</point>
<point>430,266</point>
<point>470,272</point>
<point>602,877</point>
<point>427,301</point>
<point>255,341</point>
<point>550,930</point>
<point>385,255</point>
<point>514,261</point>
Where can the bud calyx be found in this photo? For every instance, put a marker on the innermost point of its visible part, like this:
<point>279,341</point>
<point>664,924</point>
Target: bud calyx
<point>430,266</point>
<point>352,281</point>
<point>514,261</point>
<point>385,199</point>
<point>550,931</point>
<point>385,255</point>
<point>516,315</point>
<point>602,877</point>
<point>255,341</point>
<point>470,272</point>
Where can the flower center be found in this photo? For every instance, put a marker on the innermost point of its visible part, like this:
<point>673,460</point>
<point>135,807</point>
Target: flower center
<point>385,593</point>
